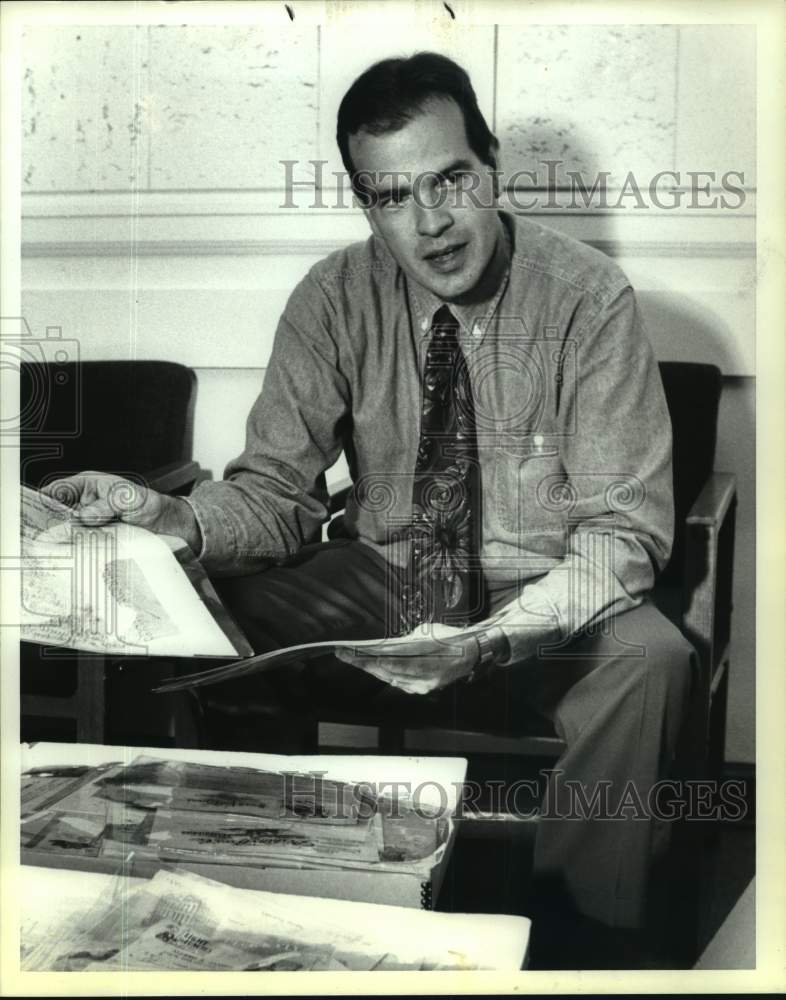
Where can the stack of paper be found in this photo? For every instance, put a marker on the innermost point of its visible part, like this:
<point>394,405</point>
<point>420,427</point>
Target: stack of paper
<point>182,921</point>
<point>177,812</point>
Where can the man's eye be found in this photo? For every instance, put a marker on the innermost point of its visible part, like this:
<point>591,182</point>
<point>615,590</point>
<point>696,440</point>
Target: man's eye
<point>394,200</point>
<point>460,179</point>
<point>453,180</point>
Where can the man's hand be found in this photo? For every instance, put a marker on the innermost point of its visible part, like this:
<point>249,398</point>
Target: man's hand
<point>98,498</point>
<point>429,658</point>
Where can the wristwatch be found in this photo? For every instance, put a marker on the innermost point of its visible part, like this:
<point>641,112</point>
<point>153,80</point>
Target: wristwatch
<point>494,648</point>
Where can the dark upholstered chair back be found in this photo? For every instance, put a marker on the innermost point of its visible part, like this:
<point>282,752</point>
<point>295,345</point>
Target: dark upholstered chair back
<point>692,394</point>
<point>113,416</point>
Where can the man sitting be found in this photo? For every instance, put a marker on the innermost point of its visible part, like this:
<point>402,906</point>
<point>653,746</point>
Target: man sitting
<point>505,426</point>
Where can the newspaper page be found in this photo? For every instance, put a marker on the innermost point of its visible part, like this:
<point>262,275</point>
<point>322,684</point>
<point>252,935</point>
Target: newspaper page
<point>150,783</point>
<point>255,839</point>
<point>283,819</point>
<point>42,787</point>
<point>180,921</point>
<point>167,811</point>
<point>404,645</point>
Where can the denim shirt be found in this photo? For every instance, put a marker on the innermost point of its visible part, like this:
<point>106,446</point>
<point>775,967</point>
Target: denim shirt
<point>574,437</point>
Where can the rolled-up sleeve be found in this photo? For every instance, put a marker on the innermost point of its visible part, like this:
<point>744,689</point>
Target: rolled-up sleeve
<point>618,486</point>
<point>272,498</point>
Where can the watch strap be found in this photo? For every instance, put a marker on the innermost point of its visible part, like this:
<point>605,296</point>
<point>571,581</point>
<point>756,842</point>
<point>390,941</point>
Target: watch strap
<point>494,649</point>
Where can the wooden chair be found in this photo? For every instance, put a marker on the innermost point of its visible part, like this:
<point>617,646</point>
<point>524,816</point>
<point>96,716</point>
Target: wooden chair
<point>133,418</point>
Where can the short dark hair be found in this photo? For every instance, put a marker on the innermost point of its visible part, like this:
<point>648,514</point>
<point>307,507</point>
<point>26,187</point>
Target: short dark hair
<point>390,93</point>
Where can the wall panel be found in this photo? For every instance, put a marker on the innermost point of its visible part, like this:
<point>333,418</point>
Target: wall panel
<point>84,119</point>
<point>597,98</point>
<point>213,328</point>
<point>229,102</point>
<point>218,304</point>
<point>716,99</point>
<point>224,398</point>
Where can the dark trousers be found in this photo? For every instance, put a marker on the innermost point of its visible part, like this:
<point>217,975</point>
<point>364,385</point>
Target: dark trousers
<point>616,697</point>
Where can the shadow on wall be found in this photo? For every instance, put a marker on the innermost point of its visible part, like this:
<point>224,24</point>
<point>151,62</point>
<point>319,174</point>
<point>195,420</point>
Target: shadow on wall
<point>685,330</point>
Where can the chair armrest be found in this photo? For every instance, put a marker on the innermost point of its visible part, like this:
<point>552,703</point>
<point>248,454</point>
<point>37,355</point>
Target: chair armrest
<point>712,504</point>
<point>173,477</point>
<point>338,496</point>
<point>709,568</point>
<point>709,560</point>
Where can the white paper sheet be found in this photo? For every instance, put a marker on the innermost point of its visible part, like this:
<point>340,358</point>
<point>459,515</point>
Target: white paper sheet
<point>112,589</point>
<point>352,935</point>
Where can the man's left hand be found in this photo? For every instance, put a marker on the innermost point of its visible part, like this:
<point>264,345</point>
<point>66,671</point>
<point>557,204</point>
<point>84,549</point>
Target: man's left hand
<point>428,658</point>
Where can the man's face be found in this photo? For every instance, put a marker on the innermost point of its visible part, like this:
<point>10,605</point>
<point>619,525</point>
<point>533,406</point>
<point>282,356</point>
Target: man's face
<point>432,200</point>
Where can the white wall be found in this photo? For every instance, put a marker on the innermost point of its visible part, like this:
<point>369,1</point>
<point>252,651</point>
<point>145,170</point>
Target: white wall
<point>152,223</point>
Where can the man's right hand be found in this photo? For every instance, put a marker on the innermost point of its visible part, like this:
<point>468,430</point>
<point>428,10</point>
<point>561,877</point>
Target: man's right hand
<point>98,498</point>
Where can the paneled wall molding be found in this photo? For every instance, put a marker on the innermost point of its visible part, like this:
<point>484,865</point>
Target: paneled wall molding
<point>274,201</point>
<point>181,248</point>
<point>242,224</point>
<point>298,247</point>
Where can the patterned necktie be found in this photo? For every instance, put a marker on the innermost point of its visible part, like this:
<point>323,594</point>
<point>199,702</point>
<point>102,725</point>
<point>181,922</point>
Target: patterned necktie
<point>443,583</point>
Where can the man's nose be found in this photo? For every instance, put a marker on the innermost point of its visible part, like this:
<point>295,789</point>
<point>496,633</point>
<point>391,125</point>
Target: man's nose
<point>433,220</point>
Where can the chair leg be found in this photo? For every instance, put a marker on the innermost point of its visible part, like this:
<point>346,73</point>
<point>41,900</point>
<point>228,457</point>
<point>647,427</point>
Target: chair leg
<point>685,892</point>
<point>684,861</point>
<point>716,751</point>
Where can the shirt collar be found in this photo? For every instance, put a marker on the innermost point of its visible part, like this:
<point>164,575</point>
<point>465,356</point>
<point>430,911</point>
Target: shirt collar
<point>473,319</point>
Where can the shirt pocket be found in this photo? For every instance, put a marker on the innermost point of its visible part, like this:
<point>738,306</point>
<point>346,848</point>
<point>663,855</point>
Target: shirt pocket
<point>527,478</point>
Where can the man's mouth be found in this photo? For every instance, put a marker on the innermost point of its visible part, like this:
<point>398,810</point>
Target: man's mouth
<point>447,259</point>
